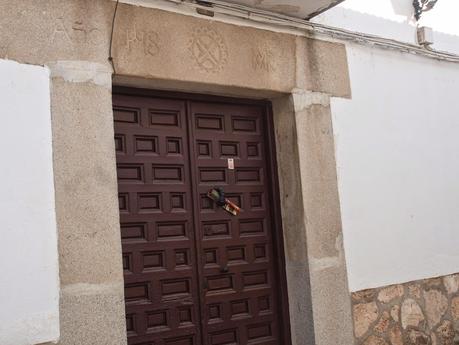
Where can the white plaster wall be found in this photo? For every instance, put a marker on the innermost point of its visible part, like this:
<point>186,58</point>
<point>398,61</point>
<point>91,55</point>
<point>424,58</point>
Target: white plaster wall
<point>395,19</point>
<point>29,286</point>
<point>397,151</point>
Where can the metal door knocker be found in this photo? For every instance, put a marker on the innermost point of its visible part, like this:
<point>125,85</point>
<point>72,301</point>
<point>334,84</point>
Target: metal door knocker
<point>217,194</point>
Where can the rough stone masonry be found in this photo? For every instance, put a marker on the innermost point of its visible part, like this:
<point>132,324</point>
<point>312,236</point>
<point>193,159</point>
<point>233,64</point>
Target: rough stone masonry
<point>423,312</point>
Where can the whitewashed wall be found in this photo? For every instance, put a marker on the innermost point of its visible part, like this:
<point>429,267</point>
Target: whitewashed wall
<point>395,19</point>
<point>29,289</point>
<point>397,149</point>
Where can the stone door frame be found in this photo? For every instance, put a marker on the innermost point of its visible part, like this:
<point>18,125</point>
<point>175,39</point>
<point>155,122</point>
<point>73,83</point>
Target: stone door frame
<point>156,49</point>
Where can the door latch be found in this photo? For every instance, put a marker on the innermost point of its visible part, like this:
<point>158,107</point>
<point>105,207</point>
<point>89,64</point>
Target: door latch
<point>218,195</point>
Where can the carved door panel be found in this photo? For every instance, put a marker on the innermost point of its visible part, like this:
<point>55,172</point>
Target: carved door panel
<point>239,303</point>
<point>161,281</point>
<point>195,274</point>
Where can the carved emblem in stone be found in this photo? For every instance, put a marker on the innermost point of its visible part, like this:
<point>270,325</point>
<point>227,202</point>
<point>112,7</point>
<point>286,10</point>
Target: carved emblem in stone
<point>77,33</point>
<point>208,49</point>
<point>262,59</point>
<point>149,40</point>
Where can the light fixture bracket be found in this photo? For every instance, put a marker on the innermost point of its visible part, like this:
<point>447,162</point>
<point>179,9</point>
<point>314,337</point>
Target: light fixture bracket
<point>421,6</point>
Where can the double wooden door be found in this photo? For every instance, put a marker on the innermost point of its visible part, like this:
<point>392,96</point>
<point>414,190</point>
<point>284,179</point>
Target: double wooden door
<point>194,273</point>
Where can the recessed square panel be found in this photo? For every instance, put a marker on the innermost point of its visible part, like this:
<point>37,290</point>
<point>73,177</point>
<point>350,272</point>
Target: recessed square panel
<point>127,261</point>
<point>210,256</point>
<point>157,321</point>
<point>259,331</point>
<point>255,279</point>
<point>248,175</point>
<point>256,200</point>
<point>126,115</point>
<point>229,149</point>
<point>220,283</point>
<point>264,304</point>
<point>130,323</point>
<point>123,202</point>
<point>136,292</point>
<point>164,118</point>
<point>120,143</point>
<point>253,150</point>
<point>226,337</point>
<point>132,232</point>
<point>168,174</point>
<point>206,203</point>
<point>188,340</point>
<point>244,124</point>
<point>182,257</point>
<point>239,308</point>
<point>212,175</point>
<point>169,230</point>
<point>173,287</point>
<point>149,202</point>
<point>185,316</point>
<point>153,260</point>
<point>249,227</point>
<point>216,228</point>
<point>235,254</point>
<point>130,172</point>
<point>215,312</point>
<point>204,148</point>
<point>174,146</point>
<point>146,144</point>
<point>259,251</point>
<point>209,122</point>
<point>177,202</point>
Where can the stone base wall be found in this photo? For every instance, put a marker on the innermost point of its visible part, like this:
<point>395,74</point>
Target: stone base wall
<point>423,312</point>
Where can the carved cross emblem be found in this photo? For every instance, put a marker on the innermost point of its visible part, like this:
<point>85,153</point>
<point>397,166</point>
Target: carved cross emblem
<point>208,50</point>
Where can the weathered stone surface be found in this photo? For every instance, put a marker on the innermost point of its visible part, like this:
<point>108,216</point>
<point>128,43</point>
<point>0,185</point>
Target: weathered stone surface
<point>364,296</point>
<point>423,312</point>
<point>445,333</point>
<point>395,336</point>
<point>395,313</point>
<point>383,324</point>
<point>388,294</point>
<point>326,64</point>
<point>374,340</point>
<point>432,283</point>
<point>51,30</point>
<point>85,182</point>
<point>414,290</point>
<point>411,313</point>
<point>93,315</point>
<point>451,283</point>
<point>415,337</point>
<point>436,306</point>
<point>204,50</point>
<point>455,308</point>
<point>364,315</point>
<point>331,304</point>
<point>216,53</point>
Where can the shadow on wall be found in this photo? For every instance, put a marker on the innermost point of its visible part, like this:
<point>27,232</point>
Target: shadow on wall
<point>403,8</point>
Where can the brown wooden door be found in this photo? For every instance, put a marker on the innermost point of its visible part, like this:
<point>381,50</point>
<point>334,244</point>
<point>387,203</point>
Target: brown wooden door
<point>195,274</point>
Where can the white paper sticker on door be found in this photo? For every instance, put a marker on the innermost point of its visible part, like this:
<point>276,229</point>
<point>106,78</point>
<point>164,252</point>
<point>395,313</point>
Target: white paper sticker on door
<point>231,163</point>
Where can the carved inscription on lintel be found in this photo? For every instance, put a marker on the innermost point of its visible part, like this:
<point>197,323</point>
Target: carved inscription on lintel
<point>148,41</point>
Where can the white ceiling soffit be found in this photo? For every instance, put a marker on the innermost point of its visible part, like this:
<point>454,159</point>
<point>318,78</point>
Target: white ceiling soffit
<point>305,9</point>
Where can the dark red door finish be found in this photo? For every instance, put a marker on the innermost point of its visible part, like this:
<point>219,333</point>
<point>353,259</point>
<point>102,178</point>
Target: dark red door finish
<point>195,274</point>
